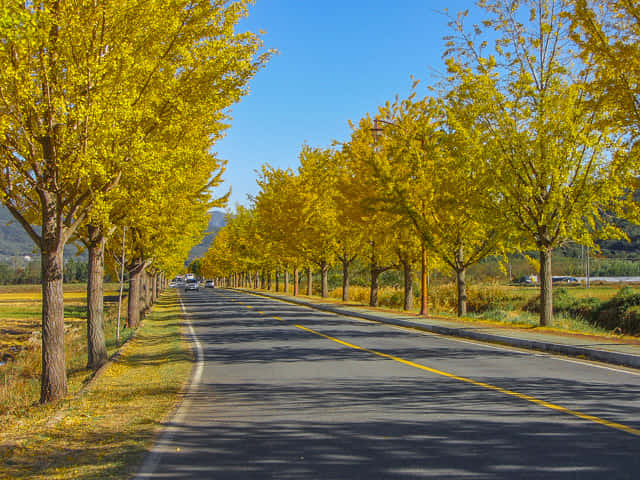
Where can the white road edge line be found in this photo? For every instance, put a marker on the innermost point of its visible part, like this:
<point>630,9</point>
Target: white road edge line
<point>525,352</point>
<point>150,464</point>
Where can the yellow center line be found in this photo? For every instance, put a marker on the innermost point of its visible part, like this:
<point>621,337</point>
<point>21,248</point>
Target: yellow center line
<point>248,306</point>
<point>529,398</point>
<point>278,318</point>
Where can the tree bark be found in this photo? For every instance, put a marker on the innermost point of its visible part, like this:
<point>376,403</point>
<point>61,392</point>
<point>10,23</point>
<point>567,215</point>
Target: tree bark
<point>154,287</point>
<point>269,281</point>
<point>546,288</point>
<point>345,279</point>
<point>133,308</point>
<point>54,375</point>
<point>277,279</point>
<point>286,281</point>
<point>373,292</point>
<point>324,269</point>
<point>309,282</point>
<point>295,282</point>
<point>424,285</point>
<point>408,285</point>
<point>461,283</point>
<point>147,292</point>
<point>96,345</point>
<point>462,292</point>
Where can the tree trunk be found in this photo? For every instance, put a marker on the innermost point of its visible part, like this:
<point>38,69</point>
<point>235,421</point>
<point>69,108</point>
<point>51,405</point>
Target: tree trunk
<point>277,279</point>
<point>309,282</point>
<point>269,281</point>
<point>324,266</point>
<point>96,346</point>
<point>345,279</point>
<point>373,292</point>
<point>462,291</point>
<point>54,375</point>
<point>286,281</point>
<point>143,293</point>
<point>154,287</point>
<point>408,285</point>
<point>546,288</point>
<point>133,308</point>
<point>461,282</point>
<point>295,282</point>
<point>424,285</point>
<point>148,302</point>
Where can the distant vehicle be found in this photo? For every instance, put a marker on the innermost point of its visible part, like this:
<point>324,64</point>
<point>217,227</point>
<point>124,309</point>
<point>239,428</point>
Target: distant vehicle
<point>564,280</point>
<point>527,280</point>
<point>209,284</point>
<point>173,285</point>
<point>192,284</point>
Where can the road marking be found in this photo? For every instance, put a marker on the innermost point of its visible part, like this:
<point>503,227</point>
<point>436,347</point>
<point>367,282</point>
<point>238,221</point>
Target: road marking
<point>592,364</point>
<point>529,398</point>
<point>278,318</point>
<point>150,465</point>
<point>480,343</point>
<point>248,306</point>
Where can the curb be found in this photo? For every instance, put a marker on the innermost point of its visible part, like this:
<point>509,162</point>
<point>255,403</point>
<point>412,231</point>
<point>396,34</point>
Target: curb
<point>614,358</point>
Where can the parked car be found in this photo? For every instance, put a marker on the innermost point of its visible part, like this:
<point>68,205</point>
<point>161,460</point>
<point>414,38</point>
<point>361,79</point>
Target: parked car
<point>209,284</point>
<point>192,284</point>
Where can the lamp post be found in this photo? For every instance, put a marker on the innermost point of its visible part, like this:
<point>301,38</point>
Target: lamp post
<point>377,130</point>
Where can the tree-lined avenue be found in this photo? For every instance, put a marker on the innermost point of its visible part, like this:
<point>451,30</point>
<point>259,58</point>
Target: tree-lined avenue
<point>289,392</point>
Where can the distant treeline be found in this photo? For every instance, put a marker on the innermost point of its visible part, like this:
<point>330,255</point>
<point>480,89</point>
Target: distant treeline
<point>13,272</point>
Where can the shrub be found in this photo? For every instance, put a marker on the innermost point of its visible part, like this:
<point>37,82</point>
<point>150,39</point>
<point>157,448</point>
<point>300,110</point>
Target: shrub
<point>483,298</point>
<point>621,313</point>
<point>565,303</point>
<point>387,296</point>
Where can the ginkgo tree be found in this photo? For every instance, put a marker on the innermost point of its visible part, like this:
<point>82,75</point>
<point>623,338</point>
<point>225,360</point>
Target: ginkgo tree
<point>361,192</point>
<point>54,79</point>
<point>82,85</point>
<point>181,107</point>
<point>278,209</point>
<point>607,33</point>
<point>317,214</point>
<point>553,156</point>
<point>349,237</point>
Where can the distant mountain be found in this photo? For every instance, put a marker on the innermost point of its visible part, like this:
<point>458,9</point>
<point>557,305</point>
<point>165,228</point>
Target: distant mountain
<point>14,240</point>
<point>216,222</point>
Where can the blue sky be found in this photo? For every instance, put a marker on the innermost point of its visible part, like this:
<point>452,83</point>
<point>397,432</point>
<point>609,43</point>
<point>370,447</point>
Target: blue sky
<point>337,61</point>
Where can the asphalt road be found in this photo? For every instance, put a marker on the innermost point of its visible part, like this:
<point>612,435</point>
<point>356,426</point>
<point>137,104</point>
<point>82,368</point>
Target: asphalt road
<point>286,392</point>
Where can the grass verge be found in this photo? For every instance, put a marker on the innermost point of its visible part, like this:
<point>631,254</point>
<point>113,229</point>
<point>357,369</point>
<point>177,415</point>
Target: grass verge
<point>502,306</point>
<point>105,431</point>
<point>20,342</point>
